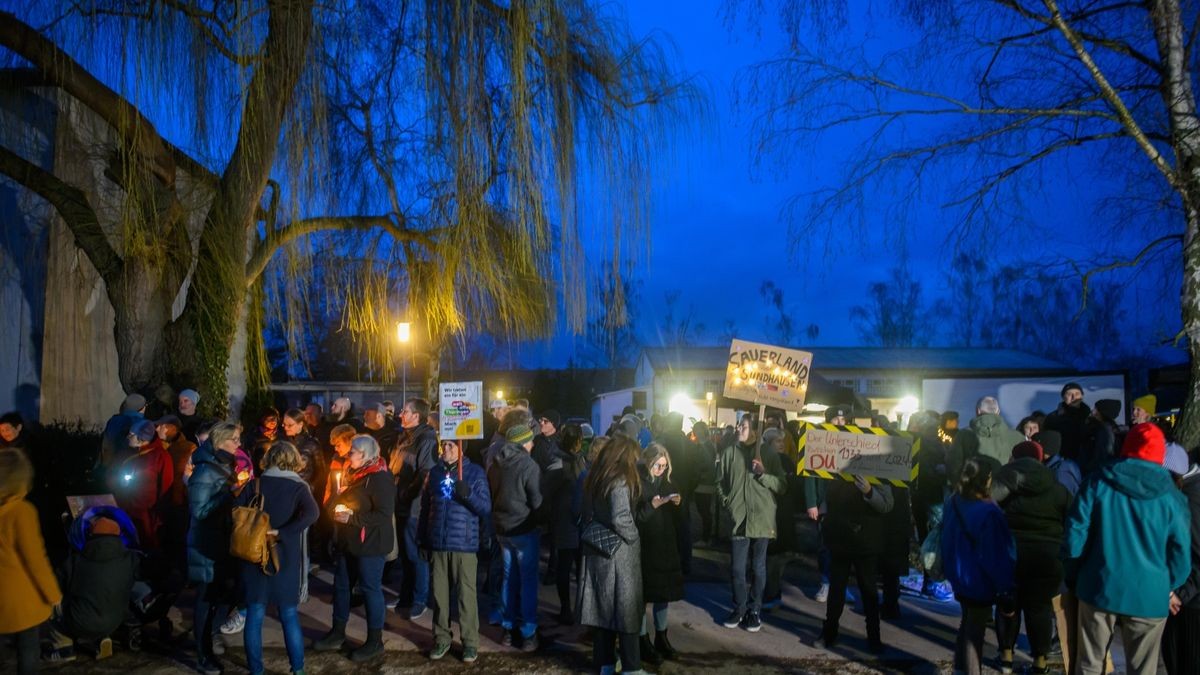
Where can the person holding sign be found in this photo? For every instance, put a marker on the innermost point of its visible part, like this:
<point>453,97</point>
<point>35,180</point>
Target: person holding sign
<point>749,480</point>
<point>453,501</point>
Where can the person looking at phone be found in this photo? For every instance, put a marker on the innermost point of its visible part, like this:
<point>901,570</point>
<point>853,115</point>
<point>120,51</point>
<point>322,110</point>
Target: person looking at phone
<point>658,518</point>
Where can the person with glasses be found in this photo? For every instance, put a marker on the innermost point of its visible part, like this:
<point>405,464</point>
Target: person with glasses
<point>364,536</point>
<point>749,480</point>
<point>658,518</point>
<point>414,455</point>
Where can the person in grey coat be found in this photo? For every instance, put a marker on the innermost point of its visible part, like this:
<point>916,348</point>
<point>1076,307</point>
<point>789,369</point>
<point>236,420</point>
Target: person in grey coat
<point>610,588</point>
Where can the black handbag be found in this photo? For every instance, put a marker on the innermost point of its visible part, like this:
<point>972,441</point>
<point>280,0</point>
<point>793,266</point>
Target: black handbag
<point>600,538</point>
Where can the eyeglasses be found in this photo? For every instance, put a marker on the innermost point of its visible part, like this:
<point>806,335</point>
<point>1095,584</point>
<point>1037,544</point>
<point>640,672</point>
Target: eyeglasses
<point>659,465</point>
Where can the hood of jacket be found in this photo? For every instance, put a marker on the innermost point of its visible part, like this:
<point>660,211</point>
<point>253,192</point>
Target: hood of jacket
<point>1030,477</point>
<point>206,454</point>
<point>1137,478</point>
<point>988,425</point>
<point>511,453</point>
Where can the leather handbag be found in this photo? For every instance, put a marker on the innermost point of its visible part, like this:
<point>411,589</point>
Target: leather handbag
<point>250,541</point>
<point>601,538</point>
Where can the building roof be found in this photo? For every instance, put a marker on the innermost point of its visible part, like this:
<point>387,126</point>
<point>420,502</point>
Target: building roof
<point>825,359</point>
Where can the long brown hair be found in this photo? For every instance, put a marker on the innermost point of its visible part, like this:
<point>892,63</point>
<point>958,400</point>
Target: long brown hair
<point>617,460</point>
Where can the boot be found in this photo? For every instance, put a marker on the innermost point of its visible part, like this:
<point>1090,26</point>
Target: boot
<point>649,654</point>
<point>371,648</point>
<point>333,640</point>
<point>663,646</point>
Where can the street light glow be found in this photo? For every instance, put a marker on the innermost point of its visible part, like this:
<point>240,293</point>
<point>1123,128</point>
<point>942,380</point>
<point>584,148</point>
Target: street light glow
<point>403,331</point>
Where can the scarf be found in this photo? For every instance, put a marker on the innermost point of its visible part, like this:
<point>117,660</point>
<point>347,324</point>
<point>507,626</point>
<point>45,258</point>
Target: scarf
<point>360,474</point>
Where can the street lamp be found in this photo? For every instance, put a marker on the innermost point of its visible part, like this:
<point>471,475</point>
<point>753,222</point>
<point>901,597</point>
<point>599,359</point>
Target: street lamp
<point>500,394</point>
<point>403,333</point>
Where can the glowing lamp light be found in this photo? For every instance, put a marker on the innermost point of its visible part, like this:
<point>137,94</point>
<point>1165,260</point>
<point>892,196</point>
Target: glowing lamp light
<point>403,331</point>
<point>708,396</point>
<point>908,405</point>
<point>500,394</point>
<point>683,404</point>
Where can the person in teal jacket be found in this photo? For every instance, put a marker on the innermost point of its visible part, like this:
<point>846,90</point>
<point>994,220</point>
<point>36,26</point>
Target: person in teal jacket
<point>1127,547</point>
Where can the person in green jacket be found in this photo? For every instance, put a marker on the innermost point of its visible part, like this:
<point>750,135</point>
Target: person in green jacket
<point>749,480</point>
<point>1127,546</point>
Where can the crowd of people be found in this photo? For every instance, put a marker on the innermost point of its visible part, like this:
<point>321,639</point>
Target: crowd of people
<point>1068,524</point>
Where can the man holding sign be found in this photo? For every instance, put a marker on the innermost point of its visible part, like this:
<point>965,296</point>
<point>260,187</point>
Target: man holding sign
<point>749,480</point>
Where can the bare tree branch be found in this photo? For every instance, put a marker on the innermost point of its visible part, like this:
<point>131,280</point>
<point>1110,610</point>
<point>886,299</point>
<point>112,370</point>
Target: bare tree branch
<point>1132,262</point>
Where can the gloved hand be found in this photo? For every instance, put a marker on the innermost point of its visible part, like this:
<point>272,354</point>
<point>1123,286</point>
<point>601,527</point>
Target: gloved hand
<point>462,490</point>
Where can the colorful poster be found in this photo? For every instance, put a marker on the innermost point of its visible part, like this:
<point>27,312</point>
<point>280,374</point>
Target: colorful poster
<point>767,375</point>
<point>461,410</point>
<point>880,455</point>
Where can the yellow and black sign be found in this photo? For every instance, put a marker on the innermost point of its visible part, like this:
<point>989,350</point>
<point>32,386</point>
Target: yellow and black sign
<point>880,455</point>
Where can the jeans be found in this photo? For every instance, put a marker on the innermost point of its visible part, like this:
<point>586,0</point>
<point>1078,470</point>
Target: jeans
<point>420,566</point>
<point>756,549</point>
<point>519,589</point>
<point>604,655</point>
<point>293,638</point>
<point>369,571</point>
<point>205,614</point>
<point>29,649</point>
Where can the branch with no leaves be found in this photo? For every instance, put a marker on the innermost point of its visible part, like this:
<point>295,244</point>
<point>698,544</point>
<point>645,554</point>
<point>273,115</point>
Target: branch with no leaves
<point>1132,262</point>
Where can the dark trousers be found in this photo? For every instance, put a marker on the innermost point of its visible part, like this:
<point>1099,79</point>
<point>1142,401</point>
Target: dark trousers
<point>1039,627</point>
<point>368,571</point>
<point>567,558</point>
<point>968,648</point>
<point>704,504</point>
<point>29,650</point>
<point>211,607</point>
<point>865,572</point>
<point>683,534</point>
<point>604,654</point>
<point>754,551</point>
<point>1181,642</point>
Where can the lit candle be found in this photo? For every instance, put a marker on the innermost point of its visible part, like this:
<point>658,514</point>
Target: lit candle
<point>337,481</point>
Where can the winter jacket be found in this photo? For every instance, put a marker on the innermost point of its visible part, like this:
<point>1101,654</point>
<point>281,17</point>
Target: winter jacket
<point>313,472</point>
<point>180,450</point>
<point>1069,421</point>
<point>996,438</point>
<point>291,508</point>
<point>854,523</point>
<point>114,442</point>
<point>545,449</point>
<point>371,495</point>
<point>1097,446</point>
<point>979,556</point>
<point>28,588</point>
<point>931,474</point>
<point>99,580</point>
<point>1127,540</point>
<point>515,482</point>
<point>210,502</point>
<point>750,499</point>
<point>189,424</point>
<point>662,573</point>
<point>683,460</point>
<point>562,494</point>
<point>414,455</point>
<point>1066,472</point>
<point>448,522</point>
<point>1035,506</point>
<point>141,484</point>
<point>610,589</point>
<point>706,467</point>
<point>1189,592</point>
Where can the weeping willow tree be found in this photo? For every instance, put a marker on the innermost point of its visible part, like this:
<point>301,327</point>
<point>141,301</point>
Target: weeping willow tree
<point>443,150</point>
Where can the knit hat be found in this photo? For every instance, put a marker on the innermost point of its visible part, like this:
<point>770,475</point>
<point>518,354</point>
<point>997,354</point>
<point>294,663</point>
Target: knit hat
<point>191,395</point>
<point>1109,408</point>
<point>519,434</point>
<point>1051,442</point>
<point>586,430</point>
<point>1145,441</point>
<point>1146,403</point>
<point>105,526</point>
<point>1069,386</point>
<point>144,430</point>
<point>133,403</point>
<point>1028,449</point>
<point>553,416</point>
<point>838,411</point>
<point>1176,459</point>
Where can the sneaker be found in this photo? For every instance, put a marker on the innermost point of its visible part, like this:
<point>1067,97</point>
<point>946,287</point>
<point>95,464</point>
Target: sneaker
<point>470,654</point>
<point>105,649</point>
<point>823,642</point>
<point>822,593</point>
<point>531,643</point>
<point>439,650</point>
<point>506,638</point>
<point>218,645</point>
<point>210,666</point>
<point>417,612</point>
<point>752,622</point>
<point>733,620</point>
<point>940,591</point>
<point>234,624</point>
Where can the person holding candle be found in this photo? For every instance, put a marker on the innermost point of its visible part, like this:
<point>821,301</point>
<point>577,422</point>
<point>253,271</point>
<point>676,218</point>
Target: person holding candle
<point>363,537</point>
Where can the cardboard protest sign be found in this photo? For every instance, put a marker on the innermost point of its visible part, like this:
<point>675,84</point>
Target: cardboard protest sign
<point>879,455</point>
<point>767,375</point>
<point>461,410</point>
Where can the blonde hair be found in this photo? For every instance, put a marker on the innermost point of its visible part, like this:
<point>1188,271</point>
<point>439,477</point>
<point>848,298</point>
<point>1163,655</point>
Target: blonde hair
<point>284,456</point>
<point>16,475</point>
<point>651,454</point>
<point>342,432</point>
<point>221,433</point>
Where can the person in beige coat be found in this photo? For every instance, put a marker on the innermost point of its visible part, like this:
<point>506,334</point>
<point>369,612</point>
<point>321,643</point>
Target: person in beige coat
<point>28,589</point>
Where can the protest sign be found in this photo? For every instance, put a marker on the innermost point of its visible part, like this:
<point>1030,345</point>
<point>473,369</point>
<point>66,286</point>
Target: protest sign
<point>879,455</point>
<point>767,375</point>
<point>461,410</point>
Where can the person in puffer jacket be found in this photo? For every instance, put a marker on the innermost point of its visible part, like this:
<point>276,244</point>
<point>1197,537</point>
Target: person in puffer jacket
<point>979,558</point>
<point>1127,548</point>
<point>454,499</point>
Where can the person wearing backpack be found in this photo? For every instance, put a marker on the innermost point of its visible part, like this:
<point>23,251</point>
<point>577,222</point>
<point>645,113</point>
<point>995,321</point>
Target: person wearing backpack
<point>979,558</point>
<point>290,506</point>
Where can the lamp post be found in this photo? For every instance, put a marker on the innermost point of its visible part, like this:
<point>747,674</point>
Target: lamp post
<point>403,332</point>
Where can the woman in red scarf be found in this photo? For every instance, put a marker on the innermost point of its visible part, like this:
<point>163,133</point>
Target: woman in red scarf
<point>362,512</point>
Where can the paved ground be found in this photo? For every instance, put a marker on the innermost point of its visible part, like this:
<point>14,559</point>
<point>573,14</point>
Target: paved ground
<point>920,642</point>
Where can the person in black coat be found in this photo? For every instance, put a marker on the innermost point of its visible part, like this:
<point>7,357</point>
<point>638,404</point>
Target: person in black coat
<point>364,535</point>
<point>1181,637</point>
<point>97,578</point>
<point>291,508</point>
<point>658,516</point>
<point>562,492</point>
<point>415,453</point>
